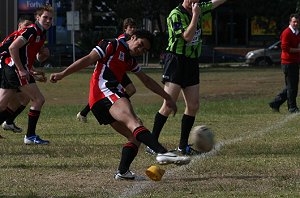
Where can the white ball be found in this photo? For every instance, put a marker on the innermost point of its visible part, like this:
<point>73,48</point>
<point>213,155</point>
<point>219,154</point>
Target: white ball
<point>201,139</point>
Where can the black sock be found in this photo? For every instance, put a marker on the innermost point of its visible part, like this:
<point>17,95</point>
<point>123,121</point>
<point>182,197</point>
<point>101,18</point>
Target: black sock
<point>159,122</point>
<point>33,117</point>
<point>143,135</point>
<point>85,110</point>
<point>129,152</point>
<point>12,118</point>
<point>186,126</point>
<point>5,114</point>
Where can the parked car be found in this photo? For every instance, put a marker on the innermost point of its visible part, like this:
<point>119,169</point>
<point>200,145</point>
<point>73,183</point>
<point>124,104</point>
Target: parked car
<point>210,55</point>
<point>265,56</point>
<point>62,55</point>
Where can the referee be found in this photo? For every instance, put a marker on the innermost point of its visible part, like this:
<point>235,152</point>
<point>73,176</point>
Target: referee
<point>181,68</point>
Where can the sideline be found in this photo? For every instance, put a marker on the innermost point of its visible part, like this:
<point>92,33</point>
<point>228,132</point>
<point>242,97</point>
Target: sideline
<point>140,186</point>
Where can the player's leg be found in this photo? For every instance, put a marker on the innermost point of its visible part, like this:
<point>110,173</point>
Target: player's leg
<point>162,115</point>
<point>17,104</point>
<point>37,101</point>
<point>5,95</point>
<point>129,152</point>
<point>171,78</point>
<point>82,115</point>
<point>190,91</point>
<point>191,99</point>
<point>122,111</point>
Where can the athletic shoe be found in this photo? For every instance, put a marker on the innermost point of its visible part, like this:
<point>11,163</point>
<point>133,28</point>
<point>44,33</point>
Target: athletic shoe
<point>188,151</point>
<point>172,158</point>
<point>11,127</point>
<point>81,118</point>
<point>150,151</point>
<point>294,110</point>
<point>35,139</point>
<point>275,108</point>
<point>129,175</point>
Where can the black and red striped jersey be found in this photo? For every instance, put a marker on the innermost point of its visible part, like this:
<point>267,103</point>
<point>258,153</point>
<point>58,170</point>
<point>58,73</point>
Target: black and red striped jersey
<point>114,61</point>
<point>6,43</point>
<point>34,37</point>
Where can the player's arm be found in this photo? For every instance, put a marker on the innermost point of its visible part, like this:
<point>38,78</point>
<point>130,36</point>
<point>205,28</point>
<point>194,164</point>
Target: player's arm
<point>85,61</point>
<point>14,52</point>
<point>156,88</point>
<point>190,31</point>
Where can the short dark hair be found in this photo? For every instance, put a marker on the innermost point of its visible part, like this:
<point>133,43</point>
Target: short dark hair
<point>294,15</point>
<point>42,9</point>
<point>144,34</point>
<point>127,22</point>
<point>24,18</point>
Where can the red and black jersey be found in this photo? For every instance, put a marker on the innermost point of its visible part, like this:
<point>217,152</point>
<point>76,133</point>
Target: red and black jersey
<point>114,61</point>
<point>289,40</point>
<point>34,37</point>
<point>6,43</point>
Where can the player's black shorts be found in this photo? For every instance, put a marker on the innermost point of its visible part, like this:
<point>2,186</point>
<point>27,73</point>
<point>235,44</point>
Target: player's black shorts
<point>101,110</point>
<point>10,79</point>
<point>125,81</point>
<point>180,70</point>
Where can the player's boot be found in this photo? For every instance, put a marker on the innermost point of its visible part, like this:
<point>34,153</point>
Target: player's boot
<point>11,127</point>
<point>129,175</point>
<point>35,139</point>
<point>81,118</point>
<point>172,158</point>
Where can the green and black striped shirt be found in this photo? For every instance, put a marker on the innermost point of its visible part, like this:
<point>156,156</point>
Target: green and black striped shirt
<point>178,21</point>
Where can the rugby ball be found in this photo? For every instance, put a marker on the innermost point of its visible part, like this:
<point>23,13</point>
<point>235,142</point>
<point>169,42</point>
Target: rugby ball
<point>201,139</point>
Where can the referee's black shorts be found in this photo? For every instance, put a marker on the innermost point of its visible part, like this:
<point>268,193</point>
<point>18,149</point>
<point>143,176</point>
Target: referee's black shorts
<point>180,70</point>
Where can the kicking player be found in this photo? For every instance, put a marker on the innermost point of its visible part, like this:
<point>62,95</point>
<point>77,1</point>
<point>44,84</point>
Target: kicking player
<point>107,98</point>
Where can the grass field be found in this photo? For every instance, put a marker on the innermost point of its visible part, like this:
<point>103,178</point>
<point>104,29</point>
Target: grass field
<point>257,151</point>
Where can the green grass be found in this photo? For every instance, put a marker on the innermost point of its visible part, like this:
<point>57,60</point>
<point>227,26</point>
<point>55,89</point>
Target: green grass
<point>257,151</point>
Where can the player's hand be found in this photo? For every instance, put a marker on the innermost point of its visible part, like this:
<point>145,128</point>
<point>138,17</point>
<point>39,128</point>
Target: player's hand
<point>196,10</point>
<point>23,74</point>
<point>40,78</point>
<point>55,77</point>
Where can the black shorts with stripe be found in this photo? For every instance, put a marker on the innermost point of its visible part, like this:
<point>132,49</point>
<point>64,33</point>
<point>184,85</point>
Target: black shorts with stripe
<point>180,70</point>
<point>101,110</point>
<point>10,78</point>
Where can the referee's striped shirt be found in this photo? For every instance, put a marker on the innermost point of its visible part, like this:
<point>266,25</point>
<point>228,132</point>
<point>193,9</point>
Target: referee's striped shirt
<point>178,21</point>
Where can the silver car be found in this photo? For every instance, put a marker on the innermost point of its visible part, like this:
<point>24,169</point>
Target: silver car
<point>265,56</point>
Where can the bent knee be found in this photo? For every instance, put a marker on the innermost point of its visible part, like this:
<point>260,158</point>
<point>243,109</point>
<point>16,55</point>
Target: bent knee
<point>39,101</point>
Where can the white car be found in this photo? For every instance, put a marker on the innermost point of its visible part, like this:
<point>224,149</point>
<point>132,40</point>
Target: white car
<point>265,56</point>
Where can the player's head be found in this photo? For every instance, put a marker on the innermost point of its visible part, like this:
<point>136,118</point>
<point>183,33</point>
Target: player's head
<point>24,21</point>
<point>294,21</point>
<point>44,16</point>
<point>129,26</point>
<point>140,42</point>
